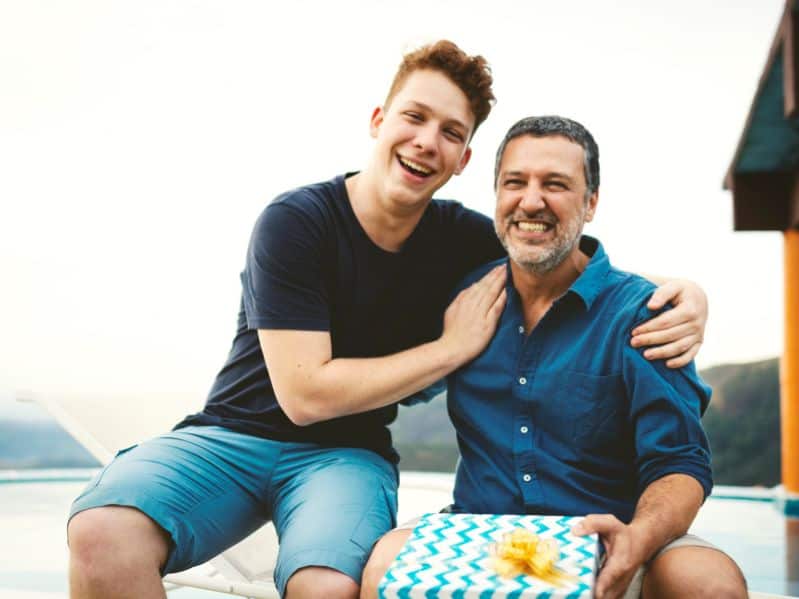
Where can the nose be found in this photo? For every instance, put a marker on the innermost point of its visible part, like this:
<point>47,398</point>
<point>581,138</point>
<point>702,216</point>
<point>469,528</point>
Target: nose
<point>427,137</point>
<point>532,199</point>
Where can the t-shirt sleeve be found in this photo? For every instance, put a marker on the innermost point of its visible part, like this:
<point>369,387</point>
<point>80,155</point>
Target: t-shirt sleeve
<point>283,279</point>
<point>477,239</point>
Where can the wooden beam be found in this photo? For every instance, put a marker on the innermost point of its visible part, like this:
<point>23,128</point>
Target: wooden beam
<point>762,201</point>
<point>790,63</point>
<point>792,208</point>
<point>789,368</point>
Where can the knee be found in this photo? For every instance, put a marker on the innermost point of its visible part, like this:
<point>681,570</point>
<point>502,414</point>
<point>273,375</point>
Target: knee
<point>321,583</point>
<point>695,572</point>
<point>104,541</point>
<point>727,589</point>
<point>383,553</point>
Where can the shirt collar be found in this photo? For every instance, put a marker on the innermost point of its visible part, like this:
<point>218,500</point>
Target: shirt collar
<point>592,279</point>
<point>590,282</point>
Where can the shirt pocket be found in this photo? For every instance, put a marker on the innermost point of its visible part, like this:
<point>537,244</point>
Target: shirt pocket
<point>586,413</point>
<point>598,410</point>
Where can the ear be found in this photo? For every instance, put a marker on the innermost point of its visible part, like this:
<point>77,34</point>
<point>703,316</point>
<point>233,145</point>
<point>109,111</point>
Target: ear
<point>464,160</point>
<point>593,199</point>
<point>376,121</point>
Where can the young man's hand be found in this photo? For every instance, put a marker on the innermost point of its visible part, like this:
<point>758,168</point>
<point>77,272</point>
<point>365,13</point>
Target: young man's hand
<point>471,319</point>
<point>675,334</point>
<point>623,555</point>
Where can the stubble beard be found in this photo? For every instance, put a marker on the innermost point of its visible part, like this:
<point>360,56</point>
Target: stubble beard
<point>538,259</point>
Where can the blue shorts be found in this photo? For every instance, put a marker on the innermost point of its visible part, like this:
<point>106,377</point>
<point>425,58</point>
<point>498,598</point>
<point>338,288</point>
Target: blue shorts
<point>209,487</point>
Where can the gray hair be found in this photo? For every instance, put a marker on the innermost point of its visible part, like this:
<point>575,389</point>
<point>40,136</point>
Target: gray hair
<point>547,126</point>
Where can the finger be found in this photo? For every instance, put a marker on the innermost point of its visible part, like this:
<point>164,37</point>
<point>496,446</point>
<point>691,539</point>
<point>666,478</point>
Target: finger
<point>685,358</point>
<point>606,581</point>
<point>662,321</point>
<point>661,296</point>
<point>675,349</point>
<point>610,586</point>
<point>498,305</point>
<point>599,523</point>
<point>493,274</point>
<point>613,580</point>
<point>490,288</point>
<point>663,336</point>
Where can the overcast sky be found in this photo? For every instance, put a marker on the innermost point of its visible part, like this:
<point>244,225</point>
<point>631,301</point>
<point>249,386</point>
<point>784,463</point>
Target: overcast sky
<point>140,140</point>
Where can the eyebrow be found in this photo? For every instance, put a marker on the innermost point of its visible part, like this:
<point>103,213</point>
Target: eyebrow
<point>451,121</point>
<point>552,175</point>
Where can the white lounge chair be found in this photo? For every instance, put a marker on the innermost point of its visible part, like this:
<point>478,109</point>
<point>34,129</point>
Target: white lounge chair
<point>104,426</point>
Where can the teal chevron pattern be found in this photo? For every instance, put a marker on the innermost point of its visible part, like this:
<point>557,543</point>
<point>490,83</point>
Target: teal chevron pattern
<point>447,555</point>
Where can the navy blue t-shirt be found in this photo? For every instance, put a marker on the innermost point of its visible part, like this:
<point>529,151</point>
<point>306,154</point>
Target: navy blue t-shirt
<point>311,266</point>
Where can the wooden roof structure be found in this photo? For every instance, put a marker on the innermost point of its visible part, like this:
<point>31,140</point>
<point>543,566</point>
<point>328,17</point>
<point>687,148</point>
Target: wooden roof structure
<point>764,173</point>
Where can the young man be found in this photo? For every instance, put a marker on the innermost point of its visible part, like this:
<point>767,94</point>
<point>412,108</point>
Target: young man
<point>559,414</point>
<point>344,289</point>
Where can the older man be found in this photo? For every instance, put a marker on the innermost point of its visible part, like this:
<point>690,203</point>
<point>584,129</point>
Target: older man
<point>559,414</point>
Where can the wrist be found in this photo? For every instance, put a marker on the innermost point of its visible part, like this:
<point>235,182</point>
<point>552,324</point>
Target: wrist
<point>448,354</point>
<point>645,541</point>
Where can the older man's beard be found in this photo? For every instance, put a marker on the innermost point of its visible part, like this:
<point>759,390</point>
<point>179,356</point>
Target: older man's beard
<point>541,259</point>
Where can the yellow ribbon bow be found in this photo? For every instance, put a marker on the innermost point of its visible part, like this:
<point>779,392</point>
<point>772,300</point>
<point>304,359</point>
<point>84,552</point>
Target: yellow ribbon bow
<point>523,552</point>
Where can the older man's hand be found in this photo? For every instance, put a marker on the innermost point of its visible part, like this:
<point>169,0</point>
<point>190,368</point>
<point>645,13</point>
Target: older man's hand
<point>624,553</point>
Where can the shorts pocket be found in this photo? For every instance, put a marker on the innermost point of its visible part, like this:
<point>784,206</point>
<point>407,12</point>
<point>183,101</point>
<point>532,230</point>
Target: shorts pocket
<point>93,484</point>
<point>377,521</point>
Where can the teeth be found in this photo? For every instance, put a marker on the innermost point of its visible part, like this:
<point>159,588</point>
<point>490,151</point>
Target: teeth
<point>416,166</point>
<point>535,227</point>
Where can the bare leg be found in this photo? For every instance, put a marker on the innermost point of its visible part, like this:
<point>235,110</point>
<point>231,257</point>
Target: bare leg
<point>116,552</point>
<point>320,583</point>
<point>384,552</point>
<point>696,572</point>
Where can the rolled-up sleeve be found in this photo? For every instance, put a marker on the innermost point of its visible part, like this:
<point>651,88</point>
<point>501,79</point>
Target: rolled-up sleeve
<point>666,406</point>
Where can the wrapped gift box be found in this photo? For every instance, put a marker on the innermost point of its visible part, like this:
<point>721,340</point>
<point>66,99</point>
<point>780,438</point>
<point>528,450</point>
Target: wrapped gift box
<point>449,555</point>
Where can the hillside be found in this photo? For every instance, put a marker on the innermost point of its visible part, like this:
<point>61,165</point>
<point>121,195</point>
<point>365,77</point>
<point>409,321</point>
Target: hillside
<point>742,424</point>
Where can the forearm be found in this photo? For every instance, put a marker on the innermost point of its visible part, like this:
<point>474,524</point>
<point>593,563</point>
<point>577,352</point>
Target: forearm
<point>344,386</point>
<point>665,511</point>
<point>312,385</point>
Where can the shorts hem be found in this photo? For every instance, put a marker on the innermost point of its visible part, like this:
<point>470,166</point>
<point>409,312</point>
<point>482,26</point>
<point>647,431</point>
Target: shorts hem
<point>148,508</point>
<point>323,558</point>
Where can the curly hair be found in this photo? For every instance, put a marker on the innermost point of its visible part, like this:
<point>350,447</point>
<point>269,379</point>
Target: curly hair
<point>471,74</point>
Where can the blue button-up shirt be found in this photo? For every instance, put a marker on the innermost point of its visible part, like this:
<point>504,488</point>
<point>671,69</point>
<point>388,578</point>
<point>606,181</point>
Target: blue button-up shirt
<point>570,419</point>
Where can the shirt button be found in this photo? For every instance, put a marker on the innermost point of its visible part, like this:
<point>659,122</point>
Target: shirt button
<point>527,478</point>
<point>521,329</point>
<point>524,430</point>
<point>522,380</point>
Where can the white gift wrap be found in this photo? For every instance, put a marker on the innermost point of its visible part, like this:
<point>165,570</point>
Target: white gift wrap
<point>448,555</point>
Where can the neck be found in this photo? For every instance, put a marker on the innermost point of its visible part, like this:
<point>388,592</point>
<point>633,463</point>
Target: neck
<point>538,291</point>
<point>387,224</point>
